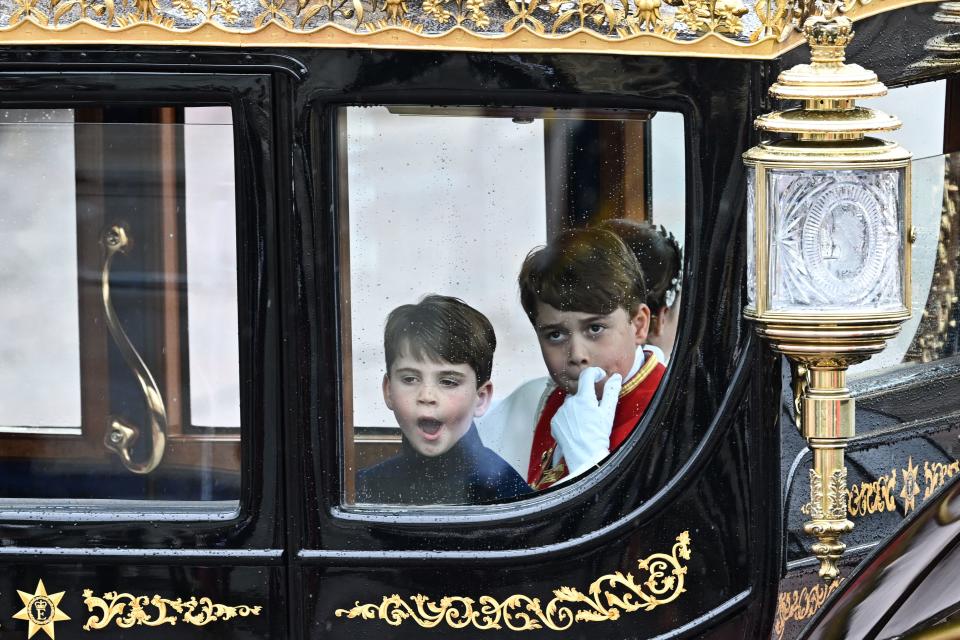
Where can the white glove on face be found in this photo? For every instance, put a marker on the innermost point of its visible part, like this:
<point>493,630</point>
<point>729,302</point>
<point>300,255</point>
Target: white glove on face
<point>582,424</point>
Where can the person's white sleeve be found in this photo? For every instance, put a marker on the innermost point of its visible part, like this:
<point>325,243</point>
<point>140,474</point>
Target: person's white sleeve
<point>508,427</point>
<point>583,423</point>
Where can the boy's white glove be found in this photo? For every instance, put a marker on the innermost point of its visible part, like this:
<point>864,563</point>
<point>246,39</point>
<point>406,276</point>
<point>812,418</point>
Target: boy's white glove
<point>582,424</point>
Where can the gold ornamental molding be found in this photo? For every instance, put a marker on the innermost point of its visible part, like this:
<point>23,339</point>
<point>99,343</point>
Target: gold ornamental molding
<point>755,29</point>
<point>127,610</point>
<point>660,582</point>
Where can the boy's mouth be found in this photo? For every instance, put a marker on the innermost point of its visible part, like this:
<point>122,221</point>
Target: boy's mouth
<point>429,427</point>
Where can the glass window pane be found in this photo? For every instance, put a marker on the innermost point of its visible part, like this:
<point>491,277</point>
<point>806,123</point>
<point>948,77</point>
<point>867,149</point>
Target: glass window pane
<point>930,334</point>
<point>440,207</point>
<point>477,201</point>
<point>212,260</point>
<point>125,276</point>
<point>40,369</point>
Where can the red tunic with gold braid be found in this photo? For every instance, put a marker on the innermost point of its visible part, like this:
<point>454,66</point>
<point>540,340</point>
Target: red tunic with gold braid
<point>635,396</point>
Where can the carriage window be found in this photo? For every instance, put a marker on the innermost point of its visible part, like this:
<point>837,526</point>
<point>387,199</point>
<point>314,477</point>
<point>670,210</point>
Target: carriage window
<point>119,375</point>
<point>497,258</point>
<point>931,334</point>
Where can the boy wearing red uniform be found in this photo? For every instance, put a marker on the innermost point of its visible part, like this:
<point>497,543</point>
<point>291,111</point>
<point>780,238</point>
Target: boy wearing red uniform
<point>584,295</point>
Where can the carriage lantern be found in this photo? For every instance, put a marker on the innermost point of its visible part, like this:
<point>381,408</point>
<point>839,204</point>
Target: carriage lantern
<point>828,229</point>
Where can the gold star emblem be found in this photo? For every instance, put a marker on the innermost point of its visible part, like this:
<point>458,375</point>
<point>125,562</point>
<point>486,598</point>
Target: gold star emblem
<point>910,489</point>
<point>41,610</point>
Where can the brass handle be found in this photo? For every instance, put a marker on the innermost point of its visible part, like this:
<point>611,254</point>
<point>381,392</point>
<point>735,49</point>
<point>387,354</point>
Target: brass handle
<point>801,381</point>
<point>122,435</point>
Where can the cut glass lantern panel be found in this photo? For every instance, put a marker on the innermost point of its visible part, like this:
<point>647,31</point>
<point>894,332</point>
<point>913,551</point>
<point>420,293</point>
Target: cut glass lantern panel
<point>751,240</point>
<point>837,240</point>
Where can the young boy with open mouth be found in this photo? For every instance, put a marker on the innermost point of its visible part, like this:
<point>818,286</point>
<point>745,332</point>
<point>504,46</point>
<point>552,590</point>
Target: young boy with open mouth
<point>439,358</point>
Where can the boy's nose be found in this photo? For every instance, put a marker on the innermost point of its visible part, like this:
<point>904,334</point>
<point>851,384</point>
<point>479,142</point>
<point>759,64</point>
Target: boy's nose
<point>579,355</point>
<point>426,395</point>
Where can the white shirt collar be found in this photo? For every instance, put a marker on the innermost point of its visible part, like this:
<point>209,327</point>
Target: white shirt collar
<point>638,361</point>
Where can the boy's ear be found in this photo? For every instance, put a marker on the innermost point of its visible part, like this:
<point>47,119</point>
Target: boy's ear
<point>387,400</point>
<point>484,395</point>
<point>656,323</point>
<point>641,324</point>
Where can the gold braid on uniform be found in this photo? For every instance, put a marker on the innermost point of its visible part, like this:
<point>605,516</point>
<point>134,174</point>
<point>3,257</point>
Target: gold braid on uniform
<point>548,473</point>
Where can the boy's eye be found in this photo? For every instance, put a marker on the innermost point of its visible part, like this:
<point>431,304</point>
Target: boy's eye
<point>449,382</point>
<point>554,336</point>
<point>595,329</point>
<point>408,379</point>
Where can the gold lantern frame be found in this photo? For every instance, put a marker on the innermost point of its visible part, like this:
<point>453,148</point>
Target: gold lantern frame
<point>828,133</point>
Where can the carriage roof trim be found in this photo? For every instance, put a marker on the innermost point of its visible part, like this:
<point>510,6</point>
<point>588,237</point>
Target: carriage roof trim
<point>754,29</point>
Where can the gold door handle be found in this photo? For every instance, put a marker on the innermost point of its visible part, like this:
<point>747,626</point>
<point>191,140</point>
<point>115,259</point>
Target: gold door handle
<point>122,435</point>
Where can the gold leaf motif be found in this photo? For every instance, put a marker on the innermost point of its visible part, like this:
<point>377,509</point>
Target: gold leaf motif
<point>607,598</point>
<point>273,12</point>
<point>773,15</point>
<point>523,16</point>
<point>187,7</point>
<point>224,10</point>
<point>62,10</point>
<point>814,508</point>
<point>460,12</point>
<point>127,610</point>
<point>349,9</point>
<point>837,500</point>
<point>27,10</point>
<point>831,505</point>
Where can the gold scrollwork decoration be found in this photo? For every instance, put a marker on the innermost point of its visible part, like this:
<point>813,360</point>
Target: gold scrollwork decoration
<point>661,581</point>
<point>936,474</point>
<point>801,604</point>
<point>878,496</point>
<point>127,610</point>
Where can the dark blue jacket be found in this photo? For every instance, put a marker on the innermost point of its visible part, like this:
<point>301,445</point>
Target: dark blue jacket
<point>468,473</point>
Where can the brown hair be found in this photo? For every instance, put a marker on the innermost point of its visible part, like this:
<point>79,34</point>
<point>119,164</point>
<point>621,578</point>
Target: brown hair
<point>659,255</point>
<point>586,270</point>
<point>441,328</point>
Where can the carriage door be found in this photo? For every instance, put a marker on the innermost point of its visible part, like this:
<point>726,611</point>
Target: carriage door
<point>134,408</point>
<point>403,525</point>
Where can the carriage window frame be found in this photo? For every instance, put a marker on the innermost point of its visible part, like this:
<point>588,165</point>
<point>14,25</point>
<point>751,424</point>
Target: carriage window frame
<point>328,121</point>
<point>250,225</point>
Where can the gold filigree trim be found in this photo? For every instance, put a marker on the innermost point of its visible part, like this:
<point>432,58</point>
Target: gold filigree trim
<point>127,610</point>
<point>907,483</point>
<point>707,28</point>
<point>878,496</point>
<point>607,598</point>
<point>800,604</point>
